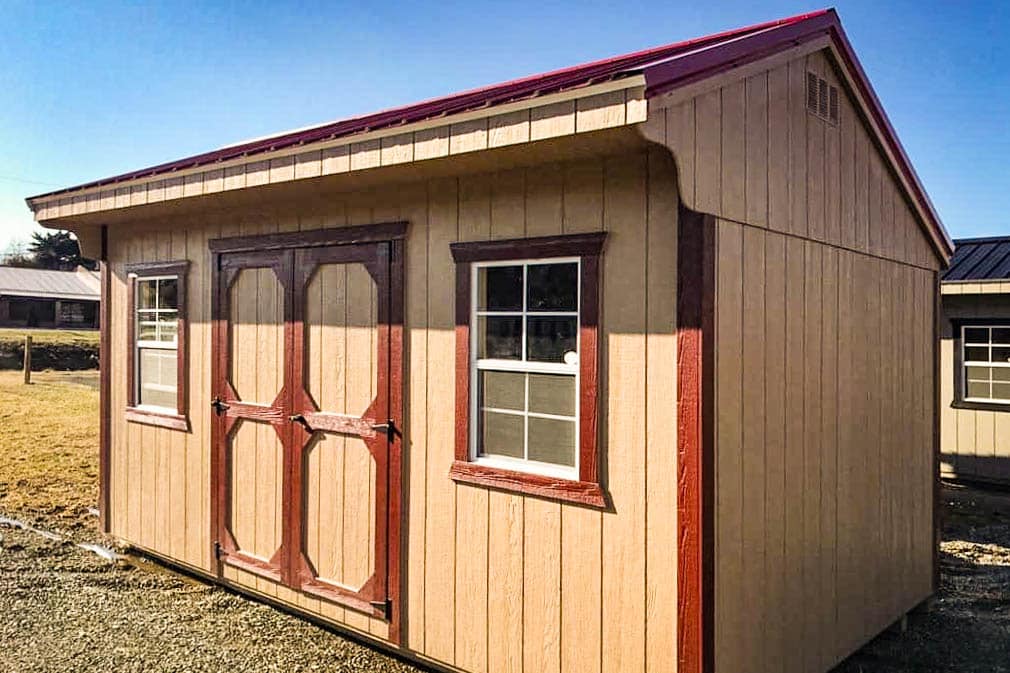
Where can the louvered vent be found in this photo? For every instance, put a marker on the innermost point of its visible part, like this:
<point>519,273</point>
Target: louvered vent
<point>822,98</point>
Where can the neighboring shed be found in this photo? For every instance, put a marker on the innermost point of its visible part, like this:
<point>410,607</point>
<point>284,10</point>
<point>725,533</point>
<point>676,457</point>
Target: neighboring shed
<point>413,373</point>
<point>46,298</point>
<point>975,370</point>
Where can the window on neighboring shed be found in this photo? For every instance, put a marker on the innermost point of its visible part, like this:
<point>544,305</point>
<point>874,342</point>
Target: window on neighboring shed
<point>986,362</point>
<point>157,364</point>
<point>527,327</point>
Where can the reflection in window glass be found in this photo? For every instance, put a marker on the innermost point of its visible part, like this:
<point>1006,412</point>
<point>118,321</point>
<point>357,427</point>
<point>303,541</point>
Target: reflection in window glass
<point>500,288</point>
<point>548,339</point>
<point>501,337</point>
<point>552,287</point>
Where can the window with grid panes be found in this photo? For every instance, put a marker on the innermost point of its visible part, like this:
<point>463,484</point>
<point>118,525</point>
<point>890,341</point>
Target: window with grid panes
<point>157,341</point>
<point>986,362</point>
<point>525,365</point>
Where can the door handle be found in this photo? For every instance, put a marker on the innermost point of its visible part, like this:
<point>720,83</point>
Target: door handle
<point>219,406</point>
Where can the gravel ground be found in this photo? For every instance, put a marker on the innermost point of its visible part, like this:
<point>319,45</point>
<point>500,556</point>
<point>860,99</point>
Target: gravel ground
<point>966,628</point>
<point>65,609</point>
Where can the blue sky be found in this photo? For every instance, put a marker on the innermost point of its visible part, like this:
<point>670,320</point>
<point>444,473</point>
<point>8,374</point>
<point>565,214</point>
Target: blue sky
<point>92,89</point>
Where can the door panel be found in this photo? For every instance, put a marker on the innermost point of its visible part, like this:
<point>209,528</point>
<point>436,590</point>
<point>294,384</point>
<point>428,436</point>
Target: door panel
<point>257,335</point>
<point>251,432</point>
<point>339,498</point>
<point>257,458</point>
<point>342,393</point>
<point>306,469</point>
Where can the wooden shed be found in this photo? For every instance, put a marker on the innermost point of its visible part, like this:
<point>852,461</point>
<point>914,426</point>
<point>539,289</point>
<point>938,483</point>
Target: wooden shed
<point>624,367</point>
<point>975,362</point>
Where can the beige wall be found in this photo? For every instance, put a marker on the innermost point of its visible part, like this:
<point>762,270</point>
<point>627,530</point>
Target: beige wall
<point>974,444</point>
<point>494,582</point>
<point>824,359</point>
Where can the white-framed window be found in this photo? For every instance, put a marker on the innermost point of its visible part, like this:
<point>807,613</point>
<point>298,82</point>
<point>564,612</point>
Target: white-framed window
<point>156,354</point>
<point>985,358</point>
<point>524,365</point>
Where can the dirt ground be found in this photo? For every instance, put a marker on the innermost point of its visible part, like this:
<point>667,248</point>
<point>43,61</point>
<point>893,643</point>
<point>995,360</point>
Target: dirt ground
<point>63,608</point>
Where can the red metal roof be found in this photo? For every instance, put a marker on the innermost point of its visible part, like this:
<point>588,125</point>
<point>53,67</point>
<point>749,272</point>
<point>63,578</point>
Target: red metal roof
<point>665,68</point>
<point>474,99</point>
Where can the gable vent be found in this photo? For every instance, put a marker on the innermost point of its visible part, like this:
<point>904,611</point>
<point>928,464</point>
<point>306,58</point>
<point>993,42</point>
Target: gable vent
<point>822,98</point>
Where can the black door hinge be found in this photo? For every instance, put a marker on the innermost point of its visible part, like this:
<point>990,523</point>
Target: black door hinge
<point>218,550</point>
<point>385,607</point>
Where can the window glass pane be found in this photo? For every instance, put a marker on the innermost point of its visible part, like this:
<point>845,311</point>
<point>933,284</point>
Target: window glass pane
<point>146,291</point>
<point>168,331</point>
<point>1001,354</point>
<point>976,354</point>
<point>977,373</point>
<point>157,376</point>
<point>978,389</point>
<point>552,394</point>
<point>147,331</point>
<point>501,434</point>
<point>1001,391</point>
<point>976,335</point>
<point>552,287</point>
<point>552,441</point>
<point>503,390</point>
<point>500,288</point>
<point>548,339</point>
<point>1000,374</point>
<point>168,293</point>
<point>1001,335</point>
<point>500,337</point>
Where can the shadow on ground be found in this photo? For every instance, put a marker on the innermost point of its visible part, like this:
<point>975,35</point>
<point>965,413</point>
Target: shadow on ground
<point>966,627</point>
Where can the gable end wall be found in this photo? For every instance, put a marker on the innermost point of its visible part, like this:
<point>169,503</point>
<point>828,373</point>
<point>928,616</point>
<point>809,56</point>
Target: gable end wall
<point>825,398</point>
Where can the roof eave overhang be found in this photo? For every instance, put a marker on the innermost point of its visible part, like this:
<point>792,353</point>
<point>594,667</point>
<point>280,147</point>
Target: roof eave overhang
<point>618,101</point>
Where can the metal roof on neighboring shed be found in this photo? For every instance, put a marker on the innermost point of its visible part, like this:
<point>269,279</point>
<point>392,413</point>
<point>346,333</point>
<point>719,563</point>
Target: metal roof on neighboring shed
<point>980,259</point>
<point>45,283</point>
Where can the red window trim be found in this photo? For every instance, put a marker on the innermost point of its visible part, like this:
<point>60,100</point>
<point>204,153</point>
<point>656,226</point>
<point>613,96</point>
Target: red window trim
<point>180,419</point>
<point>586,490</point>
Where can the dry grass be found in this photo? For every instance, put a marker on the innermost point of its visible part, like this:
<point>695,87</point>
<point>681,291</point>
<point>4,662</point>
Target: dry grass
<point>56,337</point>
<point>49,440</point>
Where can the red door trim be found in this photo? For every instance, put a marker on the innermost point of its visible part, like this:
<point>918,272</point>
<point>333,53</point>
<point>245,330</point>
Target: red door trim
<point>695,440</point>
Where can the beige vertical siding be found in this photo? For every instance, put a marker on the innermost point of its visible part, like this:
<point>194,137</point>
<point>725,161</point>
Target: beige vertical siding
<point>749,152</point>
<point>974,444</point>
<point>824,393</point>
<point>824,448</point>
<point>494,581</point>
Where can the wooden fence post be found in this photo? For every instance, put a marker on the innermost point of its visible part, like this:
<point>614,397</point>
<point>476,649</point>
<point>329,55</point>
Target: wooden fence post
<point>28,359</point>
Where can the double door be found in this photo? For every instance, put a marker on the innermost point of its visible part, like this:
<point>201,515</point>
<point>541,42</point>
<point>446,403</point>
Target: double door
<point>305,387</point>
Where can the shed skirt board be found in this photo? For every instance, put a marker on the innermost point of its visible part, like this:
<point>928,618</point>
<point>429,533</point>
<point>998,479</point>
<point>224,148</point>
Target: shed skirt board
<point>302,437</point>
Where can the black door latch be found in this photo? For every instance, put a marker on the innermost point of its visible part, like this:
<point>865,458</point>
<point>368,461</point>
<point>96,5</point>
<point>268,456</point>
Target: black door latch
<point>219,406</point>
